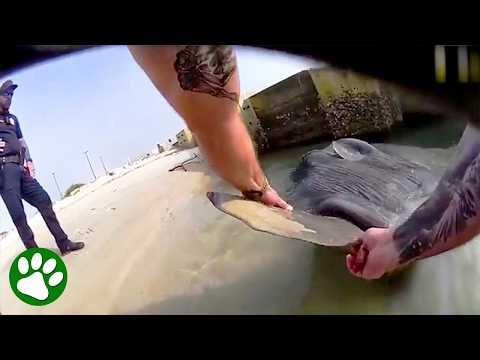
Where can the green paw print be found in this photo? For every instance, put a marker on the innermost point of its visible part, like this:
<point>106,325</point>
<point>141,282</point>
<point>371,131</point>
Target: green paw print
<point>38,276</point>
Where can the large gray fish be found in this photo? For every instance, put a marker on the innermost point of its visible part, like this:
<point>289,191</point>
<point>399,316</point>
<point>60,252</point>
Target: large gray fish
<point>355,181</point>
<point>339,191</point>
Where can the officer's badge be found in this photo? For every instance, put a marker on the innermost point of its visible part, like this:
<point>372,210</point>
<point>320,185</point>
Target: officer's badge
<point>11,119</point>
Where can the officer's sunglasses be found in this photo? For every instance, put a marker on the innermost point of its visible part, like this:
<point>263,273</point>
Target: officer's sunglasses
<point>7,94</point>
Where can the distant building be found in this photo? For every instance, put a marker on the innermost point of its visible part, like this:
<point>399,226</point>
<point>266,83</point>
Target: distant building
<point>166,145</point>
<point>171,141</point>
<point>185,139</point>
<point>160,148</point>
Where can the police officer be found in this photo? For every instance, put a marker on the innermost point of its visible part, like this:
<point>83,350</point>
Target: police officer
<point>17,179</point>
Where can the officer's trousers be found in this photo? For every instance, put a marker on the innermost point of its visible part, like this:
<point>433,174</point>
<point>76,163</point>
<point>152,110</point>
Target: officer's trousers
<point>16,184</point>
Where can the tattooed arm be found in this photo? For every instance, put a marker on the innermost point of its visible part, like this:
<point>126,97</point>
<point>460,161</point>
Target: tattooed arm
<point>201,83</point>
<point>449,218</point>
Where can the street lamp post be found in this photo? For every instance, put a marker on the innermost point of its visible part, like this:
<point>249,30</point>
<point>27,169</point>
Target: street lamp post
<point>89,163</point>
<point>104,167</point>
<point>58,187</point>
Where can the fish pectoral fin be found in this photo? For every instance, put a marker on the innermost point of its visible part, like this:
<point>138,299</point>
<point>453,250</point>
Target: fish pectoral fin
<point>352,149</point>
<point>297,225</point>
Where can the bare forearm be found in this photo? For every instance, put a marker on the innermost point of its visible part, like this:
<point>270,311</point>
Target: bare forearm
<point>451,216</point>
<point>235,160</point>
<point>207,99</point>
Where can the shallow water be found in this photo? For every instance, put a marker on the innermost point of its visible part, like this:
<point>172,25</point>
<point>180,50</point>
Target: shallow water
<point>445,284</point>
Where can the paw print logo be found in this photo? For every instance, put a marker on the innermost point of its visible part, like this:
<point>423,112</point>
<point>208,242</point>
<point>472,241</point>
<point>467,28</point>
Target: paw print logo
<point>38,276</point>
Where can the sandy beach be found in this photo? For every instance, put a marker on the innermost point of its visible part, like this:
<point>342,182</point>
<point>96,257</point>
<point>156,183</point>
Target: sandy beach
<point>154,244</point>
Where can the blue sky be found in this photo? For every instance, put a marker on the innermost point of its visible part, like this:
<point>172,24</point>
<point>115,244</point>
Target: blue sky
<point>101,101</point>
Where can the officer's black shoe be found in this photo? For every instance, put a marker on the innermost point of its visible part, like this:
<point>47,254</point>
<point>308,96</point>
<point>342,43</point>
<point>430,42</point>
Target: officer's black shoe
<point>31,245</point>
<point>68,246</point>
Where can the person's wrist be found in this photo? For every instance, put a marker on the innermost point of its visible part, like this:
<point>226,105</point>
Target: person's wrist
<point>257,191</point>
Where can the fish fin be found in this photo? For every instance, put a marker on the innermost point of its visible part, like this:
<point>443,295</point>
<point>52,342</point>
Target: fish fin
<point>297,225</point>
<point>352,149</point>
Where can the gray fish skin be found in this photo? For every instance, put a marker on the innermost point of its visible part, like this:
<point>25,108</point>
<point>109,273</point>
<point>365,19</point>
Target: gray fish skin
<point>354,180</point>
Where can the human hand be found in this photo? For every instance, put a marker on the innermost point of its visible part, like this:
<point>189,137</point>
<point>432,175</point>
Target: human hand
<point>373,255</point>
<point>30,168</point>
<point>271,197</point>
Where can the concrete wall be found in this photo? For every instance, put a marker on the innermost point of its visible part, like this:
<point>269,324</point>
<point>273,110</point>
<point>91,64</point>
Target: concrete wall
<point>319,104</point>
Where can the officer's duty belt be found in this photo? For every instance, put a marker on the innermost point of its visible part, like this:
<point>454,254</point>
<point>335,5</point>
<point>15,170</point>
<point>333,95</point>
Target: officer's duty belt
<point>10,159</point>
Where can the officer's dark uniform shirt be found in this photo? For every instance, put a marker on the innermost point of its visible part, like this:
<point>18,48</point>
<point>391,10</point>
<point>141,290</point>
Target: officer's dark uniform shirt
<point>10,133</point>
<point>16,184</point>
